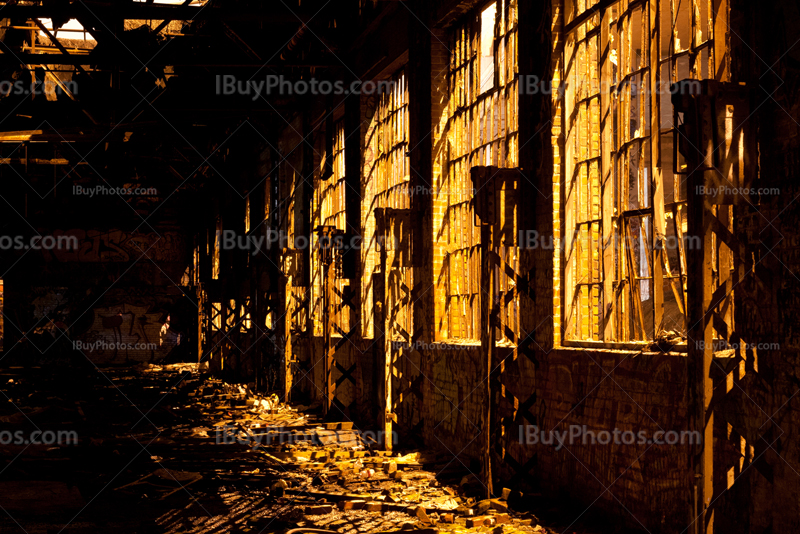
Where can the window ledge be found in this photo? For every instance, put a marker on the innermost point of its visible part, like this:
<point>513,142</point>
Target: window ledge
<point>644,347</point>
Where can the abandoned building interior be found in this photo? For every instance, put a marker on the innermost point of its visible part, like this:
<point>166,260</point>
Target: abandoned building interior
<point>361,266</point>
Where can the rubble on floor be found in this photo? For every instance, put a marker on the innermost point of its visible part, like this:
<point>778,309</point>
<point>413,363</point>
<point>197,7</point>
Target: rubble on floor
<point>215,457</point>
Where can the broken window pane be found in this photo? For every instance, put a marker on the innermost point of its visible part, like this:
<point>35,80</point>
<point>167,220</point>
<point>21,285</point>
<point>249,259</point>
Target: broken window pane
<point>627,139</point>
<point>487,48</point>
<point>480,129</point>
<point>384,179</point>
<point>329,210</point>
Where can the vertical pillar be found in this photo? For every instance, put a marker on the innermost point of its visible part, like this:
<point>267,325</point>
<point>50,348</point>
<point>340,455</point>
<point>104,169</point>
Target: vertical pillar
<point>283,331</point>
<point>659,228</point>
<point>487,347</point>
<point>699,129</point>
<point>487,181</point>
<point>326,236</point>
<point>383,348</point>
<point>303,228</point>
<point>352,167</point>
<point>421,179</point>
<point>203,275</point>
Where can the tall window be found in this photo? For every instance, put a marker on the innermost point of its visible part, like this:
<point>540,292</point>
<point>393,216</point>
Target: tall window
<point>329,210</point>
<point>481,130</point>
<point>624,209</point>
<point>385,178</point>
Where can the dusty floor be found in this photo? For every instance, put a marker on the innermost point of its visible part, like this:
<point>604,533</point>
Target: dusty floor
<point>172,450</point>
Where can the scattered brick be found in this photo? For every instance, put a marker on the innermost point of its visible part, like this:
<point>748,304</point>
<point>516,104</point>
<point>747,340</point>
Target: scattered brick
<point>480,521</point>
<point>321,509</point>
<point>356,504</point>
<point>499,505</point>
<point>390,467</point>
<point>422,515</point>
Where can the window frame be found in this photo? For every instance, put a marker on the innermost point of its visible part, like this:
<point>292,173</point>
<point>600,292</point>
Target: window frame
<point>385,178</point>
<point>481,129</point>
<point>699,55</point>
<point>329,210</point>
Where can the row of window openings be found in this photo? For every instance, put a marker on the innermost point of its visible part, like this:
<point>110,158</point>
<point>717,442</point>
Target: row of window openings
<point>487,81</point>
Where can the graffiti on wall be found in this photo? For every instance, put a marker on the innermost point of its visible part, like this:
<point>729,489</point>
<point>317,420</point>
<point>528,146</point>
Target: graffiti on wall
<point>125,329</point>
<point>125,333</point>
<point>96,246</point>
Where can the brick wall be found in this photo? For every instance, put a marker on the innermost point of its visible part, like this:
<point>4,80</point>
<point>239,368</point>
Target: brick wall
<point>757,457</point>
<point>642,485</point>
<point>456,405</point>
<point>357,396</point>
